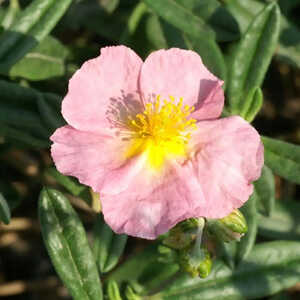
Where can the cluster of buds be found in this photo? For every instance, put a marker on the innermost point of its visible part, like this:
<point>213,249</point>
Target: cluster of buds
<point>186,238</point>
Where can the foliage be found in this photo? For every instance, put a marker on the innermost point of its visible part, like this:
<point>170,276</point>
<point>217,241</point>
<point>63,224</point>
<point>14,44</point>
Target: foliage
<point>43,42</point>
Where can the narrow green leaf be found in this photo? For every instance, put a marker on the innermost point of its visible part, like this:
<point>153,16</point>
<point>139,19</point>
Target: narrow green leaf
<point>45,61</point>
<point>244,11</point>
<point>17,96</point>
<point>250,58</point>
<point>288,49</point>
<point>32,26</point>
<point>157,276</point>
<point>117,248</point>
<point>228,252</point>
<point>134,266</point>
<point>284,223</point>
<point>11,195</point>
<point>181,18</point>
<point>67,245</point>
<point>131,294</point>
<point>289,43</point>
<point>50,111</point>
<point>133,21</point>
<point>20,116</point>
<point>108,247</point>
<point>269,268</point>
<point>265,191</point>
<point>247,242</point>
<point>102,241</point>
<point>113,291</point>
<point>90,15</point>
<point>109,5</point>
<point>252,104</point>
<point>214,15</point>
<point>23,137</point>
<point>11,13</point>
<point>4,210</point>
<point>70,184</point>
<point>283,158</point>
<point>23,120</point>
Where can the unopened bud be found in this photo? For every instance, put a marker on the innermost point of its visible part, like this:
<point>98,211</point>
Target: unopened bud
<point>196,263</point>
<point>183,234</point>
<point>230,228</point>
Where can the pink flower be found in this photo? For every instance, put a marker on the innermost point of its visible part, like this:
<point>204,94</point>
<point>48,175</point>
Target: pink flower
<point>147,138</point>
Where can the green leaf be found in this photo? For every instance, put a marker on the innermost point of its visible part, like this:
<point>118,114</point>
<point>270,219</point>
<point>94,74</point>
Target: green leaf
<point>108,247</point>
<point>109,5</point>
<point>252,105</point>
<point>11,195</point>
<point>216,16</point>
<point>250,58</point>
<point>247,242</point>
<point>11,13</point>
<point>288,49</point>
<point>23,137</point>
<point>228,252</point>
<point>156,275</point>
<point>269,268</point>
<point>32,26</point>
<point>113,291</point>
<point>51,115</point>
<point>90,15</point>
<point>265,191</point>
<point>16,96</point>
<point>181,18</point>
<point>244,11</point>
<point>134,266</point>
<point>24,119</point>
<point>4,210</point>
<point>289,43</point>
<point>284,223</point>
<point>71,184</point>
<point>283,158</point>
<point>67,245</point>
<point>45,61</point>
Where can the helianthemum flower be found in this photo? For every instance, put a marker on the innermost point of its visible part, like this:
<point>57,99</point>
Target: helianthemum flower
<point>147,137</point>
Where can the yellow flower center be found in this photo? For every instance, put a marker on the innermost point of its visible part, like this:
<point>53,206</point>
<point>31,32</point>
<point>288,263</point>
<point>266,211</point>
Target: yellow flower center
<point>162,131</point>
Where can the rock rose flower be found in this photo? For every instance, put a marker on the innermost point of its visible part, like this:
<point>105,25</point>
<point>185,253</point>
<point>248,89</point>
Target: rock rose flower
<point>147,137</point>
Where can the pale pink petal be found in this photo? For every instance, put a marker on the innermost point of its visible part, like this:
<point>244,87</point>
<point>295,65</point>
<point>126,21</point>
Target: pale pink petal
<point>181,73</point>
<point>228,157</point>
<point>103,89</point>
<point>153,203</point>
<point>96,160</point>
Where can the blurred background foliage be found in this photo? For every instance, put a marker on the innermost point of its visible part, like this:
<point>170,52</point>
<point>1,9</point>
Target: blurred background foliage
<point>254,46</point>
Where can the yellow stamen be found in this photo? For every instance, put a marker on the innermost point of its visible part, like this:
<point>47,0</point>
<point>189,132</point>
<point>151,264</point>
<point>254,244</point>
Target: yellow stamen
<point>162,131</point>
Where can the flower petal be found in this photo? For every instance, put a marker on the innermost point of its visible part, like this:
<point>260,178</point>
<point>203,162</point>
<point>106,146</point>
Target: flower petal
<point>228,157</point>
<point>100,87</point>
<point>93,158</point>
<point>153,203</point>
<point>181,73</point>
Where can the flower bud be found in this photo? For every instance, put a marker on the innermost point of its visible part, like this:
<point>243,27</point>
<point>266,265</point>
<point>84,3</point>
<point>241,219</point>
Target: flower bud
<point>196,263</point>
<point>183,234</point>
<point>230,228</point>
